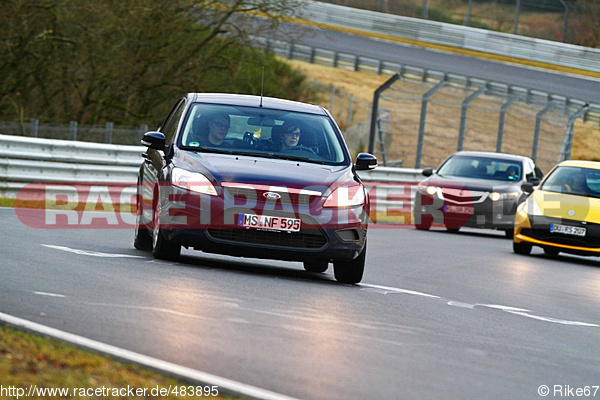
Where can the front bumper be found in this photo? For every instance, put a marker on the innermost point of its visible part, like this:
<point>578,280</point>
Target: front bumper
<point>209,223</point>
<point>486,214</point>
<point>536,230</point>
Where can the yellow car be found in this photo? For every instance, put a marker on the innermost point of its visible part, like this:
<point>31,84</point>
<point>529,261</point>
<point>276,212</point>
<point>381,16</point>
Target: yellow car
<point>563,213</point>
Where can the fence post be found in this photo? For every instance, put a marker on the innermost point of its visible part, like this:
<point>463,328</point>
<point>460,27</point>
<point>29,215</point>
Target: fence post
<point>73,130</point>
<point>463,116</point>
<point>349,124</point>
<point>503,111</point>
<point>375,109</point>
<point>33,127</point>
<point>332,99</point>
<point>108,131</point>
<point>424,103</point>
<point>565,153</point>
<point>538,125</point>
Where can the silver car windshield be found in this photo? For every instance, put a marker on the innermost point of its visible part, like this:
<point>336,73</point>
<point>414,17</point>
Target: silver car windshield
<point>573,180</point>
<point>262,132</point>
<point>482,168</point>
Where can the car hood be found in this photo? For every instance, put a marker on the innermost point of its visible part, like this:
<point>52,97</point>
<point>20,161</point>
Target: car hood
<point>566,206</point>
<point>484,185</point>
<point>264,171</point>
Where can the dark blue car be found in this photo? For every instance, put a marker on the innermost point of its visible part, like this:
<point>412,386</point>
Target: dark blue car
<point>254,177</point>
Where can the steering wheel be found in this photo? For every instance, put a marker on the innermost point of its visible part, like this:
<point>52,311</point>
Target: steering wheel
<point>300,148</point>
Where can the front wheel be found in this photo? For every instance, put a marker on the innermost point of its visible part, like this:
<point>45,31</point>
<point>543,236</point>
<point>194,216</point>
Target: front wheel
<point>522,248</point>
<point>162,248</point>
<point>142,239</point>
<point>350,272</point>
<point>426,222</point>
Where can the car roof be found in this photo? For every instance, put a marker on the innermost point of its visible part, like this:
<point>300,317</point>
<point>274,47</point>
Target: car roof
<point>491,154</point>
<point>580,163</point>
<point>254,101</point>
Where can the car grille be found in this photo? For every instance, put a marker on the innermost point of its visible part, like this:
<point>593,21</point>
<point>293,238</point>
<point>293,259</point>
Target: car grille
<point>257,192</point>
<point>307,239</point>
<point>464,196</point>
<point>541,230</point>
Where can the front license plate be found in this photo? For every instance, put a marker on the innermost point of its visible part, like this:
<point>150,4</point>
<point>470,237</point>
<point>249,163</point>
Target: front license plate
<point>268,222</point>
<point>567,230</point>
<point>458,209</point>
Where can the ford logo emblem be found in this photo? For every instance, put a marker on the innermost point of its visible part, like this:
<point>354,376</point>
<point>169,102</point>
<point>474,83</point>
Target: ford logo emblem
<point>571,213</point>
<point>272,195</point>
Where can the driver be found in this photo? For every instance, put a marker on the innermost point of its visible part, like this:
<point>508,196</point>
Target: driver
<point>289,136</point>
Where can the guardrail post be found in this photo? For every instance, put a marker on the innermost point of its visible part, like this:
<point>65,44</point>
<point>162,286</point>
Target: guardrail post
<point>73,130</point>
<point>375,109</point>
<point>350,105</point>
<point>463,116</point>
<point>424,103</point>
<point>538,125</point>
<point>356,63</point>
<point>336,57</point>
<point>291,53</point>
<point>312,55</point>
<point>380,68</point>
<point>143,130</point>
<point>33,127</point>
<point>565,153</point>
<point>503,111</point>
<point>108,131</point>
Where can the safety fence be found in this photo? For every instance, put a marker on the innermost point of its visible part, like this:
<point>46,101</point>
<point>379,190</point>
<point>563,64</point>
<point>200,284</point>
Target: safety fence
<point>27,165</point>
<point>455,35</point>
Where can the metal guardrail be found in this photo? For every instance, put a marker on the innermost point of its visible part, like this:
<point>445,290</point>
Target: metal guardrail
<point>27,161</point>
<point>464,37</point>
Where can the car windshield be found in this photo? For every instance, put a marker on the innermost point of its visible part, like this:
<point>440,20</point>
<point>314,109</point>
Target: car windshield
<point>262,132</point>
<point>573,180</point>
<point>482,168</point>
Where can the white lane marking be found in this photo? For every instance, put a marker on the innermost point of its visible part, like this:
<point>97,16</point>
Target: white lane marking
<point>50,294</point>
<point>397,290</point>
<point>201,378</point>
<point>512,310</point>
<point>90,253</point>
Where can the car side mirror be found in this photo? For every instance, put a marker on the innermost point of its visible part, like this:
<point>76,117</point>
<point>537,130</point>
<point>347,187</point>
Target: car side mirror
<point>527,187</point>
<point>365,161</point>
<point>154,140</point>
<point>534,180</point>
<point>427,171</point>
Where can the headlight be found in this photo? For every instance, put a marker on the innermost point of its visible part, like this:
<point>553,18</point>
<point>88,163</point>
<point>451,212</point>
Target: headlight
<point>431,190</point>
<point>192,181</point>
<point>345,196</point>
<point>495,196</point>
<point>531,207</point>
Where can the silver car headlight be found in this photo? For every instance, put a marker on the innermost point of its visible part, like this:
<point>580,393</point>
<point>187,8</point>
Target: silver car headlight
<point>192,181</point>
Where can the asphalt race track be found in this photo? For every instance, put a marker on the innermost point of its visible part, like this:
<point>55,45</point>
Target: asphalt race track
<point>437,316</point>
<point>579,87</point>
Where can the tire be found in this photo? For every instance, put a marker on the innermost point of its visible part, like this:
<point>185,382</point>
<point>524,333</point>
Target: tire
<point>510,233</point>
<point>142,239</point>
<point>162,248</point>
<point>522,248</point>
<point>551,251</point>
<point>426,222</point>
<point>316,265</point>
<point>350,271</point>
<point>452,229</point>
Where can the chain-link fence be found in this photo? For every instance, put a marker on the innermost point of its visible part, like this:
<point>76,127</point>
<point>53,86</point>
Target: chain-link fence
<point>426,120</point>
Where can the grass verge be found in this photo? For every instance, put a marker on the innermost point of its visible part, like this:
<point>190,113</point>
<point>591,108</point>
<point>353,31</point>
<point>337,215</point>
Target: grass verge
<point>27,359</point>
